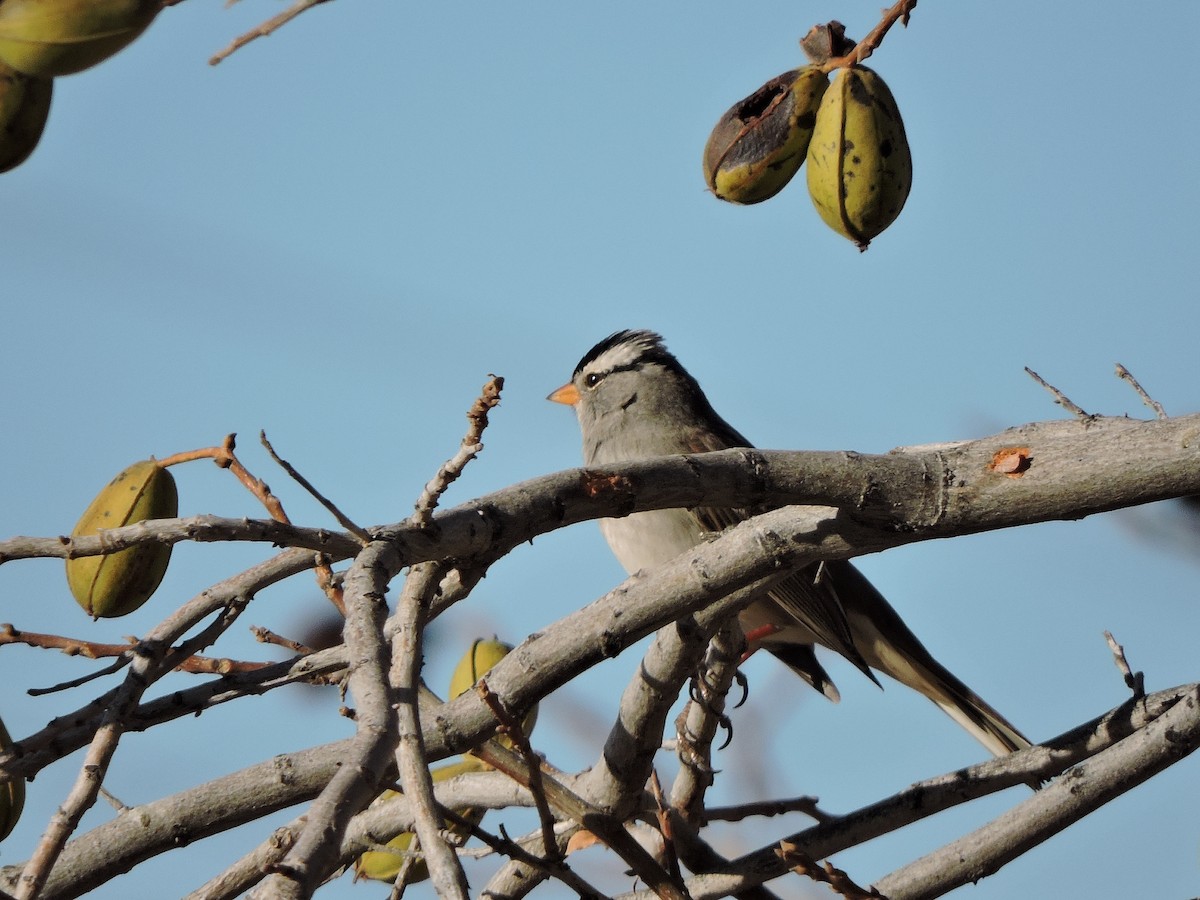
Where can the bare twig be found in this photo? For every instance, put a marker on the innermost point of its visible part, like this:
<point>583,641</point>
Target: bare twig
<point>1135,681</point>
<point>662,814</point>
<point>898,12</point>
<point>267,636</point>
<point>93,650</point>
<point>404,873</point>
<point>343,520</point>
<point>512,728</point>
<point>609,829</point>
<point>225,458</point>
<point>839,882</point>
<point>553,867</point>
<point>1124,373</point>
<point>806,805</point>
<point>1059,397</point>
<point>470,447</point>
<point>265,28</point>
<point>112,668</point>
<point>112,799</point>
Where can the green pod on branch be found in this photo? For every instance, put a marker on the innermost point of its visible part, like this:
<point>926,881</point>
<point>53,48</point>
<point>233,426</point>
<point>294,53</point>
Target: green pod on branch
<point>115,584</point>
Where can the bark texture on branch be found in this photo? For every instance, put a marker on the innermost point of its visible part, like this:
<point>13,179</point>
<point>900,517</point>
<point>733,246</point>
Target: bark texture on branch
<point>846,504</point>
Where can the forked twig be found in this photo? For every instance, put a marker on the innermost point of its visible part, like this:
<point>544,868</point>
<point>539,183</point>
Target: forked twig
<point>225,458</point>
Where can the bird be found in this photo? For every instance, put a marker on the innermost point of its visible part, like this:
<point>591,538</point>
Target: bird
<point>634,401</point>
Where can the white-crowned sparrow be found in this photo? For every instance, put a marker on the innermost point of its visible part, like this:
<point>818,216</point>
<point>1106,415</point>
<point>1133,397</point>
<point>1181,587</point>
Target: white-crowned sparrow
<point>634,400</point>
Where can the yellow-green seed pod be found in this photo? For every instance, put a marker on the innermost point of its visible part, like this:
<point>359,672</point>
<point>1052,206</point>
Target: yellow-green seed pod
<point>760,143</point>
<point>59,37</point>
<point>476,663</point>
<point>24,107</point>
<point>12,793</point>
<point>114,584</point>
<point>859,162</point>
<point>383,866</point>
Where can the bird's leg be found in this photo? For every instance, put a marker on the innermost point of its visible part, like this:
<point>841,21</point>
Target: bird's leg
<point>704,714</point>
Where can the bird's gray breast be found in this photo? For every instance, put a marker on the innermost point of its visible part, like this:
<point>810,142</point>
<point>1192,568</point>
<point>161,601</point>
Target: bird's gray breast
<point>647,539</point>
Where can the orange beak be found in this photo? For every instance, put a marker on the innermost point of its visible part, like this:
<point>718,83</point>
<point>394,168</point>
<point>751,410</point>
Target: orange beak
<point>567,394</point>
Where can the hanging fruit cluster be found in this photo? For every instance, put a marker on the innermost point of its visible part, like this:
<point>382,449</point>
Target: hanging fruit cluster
<point>850,133</point>
<point>41,39</point>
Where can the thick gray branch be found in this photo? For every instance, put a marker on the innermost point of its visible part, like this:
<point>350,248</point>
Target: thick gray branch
<point>1071,469</point>
<point>357,782</point>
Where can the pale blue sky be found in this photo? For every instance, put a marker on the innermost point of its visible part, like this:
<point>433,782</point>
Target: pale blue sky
<point>339,232</point>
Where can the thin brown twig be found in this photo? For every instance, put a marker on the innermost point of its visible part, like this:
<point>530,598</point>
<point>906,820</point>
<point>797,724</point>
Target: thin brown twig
<point>512,728</point>
<point>267,636</point>
<point>839,882</point>
<point>92,650</point>
<point>1059,397</point>
<point>1125,374</point>
<point>264,29</point>
<point>225,458</point>
<point>363,537</point>
<point>662,812</point>
<point>898,12</point>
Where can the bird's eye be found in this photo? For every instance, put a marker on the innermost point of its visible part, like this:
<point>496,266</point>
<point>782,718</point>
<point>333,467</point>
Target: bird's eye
<point>593,379</point>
